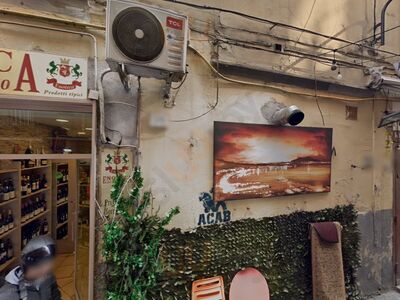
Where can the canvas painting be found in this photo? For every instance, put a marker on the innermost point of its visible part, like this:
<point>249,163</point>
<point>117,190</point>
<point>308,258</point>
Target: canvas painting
<point>260,161</point>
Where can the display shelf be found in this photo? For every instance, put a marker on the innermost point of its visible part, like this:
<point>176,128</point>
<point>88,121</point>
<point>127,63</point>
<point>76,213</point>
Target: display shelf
<point>62,203</point>
<point>8,264</point>
<point>35,193</point>
<point>36,217</point>
<point>9,201</point>
<point>65,191</point>
<point>35,168</point>
<point>5,171</point>
<point>5,234</point>
<point>15,171</point>
<point>61,224</point>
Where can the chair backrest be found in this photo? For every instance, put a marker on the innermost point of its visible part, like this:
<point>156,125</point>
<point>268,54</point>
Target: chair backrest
<point>208,289</point>
<point>249,284</point>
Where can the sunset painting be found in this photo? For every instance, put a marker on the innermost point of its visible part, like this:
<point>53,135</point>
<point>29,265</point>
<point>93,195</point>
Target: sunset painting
<point>260,161</point>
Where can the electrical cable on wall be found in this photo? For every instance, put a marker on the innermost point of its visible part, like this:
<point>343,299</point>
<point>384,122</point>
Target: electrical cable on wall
<point>217,94</point>
<point>316,96</point>
<point>293,53</point>
<point>279,24</point>
<point>294,92</point>
<point>308,19</point>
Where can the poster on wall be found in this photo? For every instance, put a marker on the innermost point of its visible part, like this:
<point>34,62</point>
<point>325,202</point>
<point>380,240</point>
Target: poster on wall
<point>260,161</point>
<point>35,74</point>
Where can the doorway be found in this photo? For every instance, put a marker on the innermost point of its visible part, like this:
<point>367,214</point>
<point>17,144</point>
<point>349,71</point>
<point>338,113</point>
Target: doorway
<point>47,187</point>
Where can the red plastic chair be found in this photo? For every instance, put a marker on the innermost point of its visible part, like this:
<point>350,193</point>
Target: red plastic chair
<point>208,289</point>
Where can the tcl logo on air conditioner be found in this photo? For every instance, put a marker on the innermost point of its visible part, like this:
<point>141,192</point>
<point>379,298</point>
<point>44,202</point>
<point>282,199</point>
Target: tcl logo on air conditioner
<point>174,23</point>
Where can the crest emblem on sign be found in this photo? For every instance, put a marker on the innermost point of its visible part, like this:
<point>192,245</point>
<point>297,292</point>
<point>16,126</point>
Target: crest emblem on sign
<point>62,71</point>
<point>117,164</point>
<point>65,68</point>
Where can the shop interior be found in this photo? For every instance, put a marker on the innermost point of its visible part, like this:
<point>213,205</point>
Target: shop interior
<point>45,190</point>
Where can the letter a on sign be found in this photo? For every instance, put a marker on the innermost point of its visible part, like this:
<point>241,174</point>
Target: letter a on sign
<point>26,67</point>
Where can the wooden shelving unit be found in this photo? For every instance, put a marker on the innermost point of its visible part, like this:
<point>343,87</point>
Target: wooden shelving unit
<point>5,234</point>
<point>84,204</point>
<point>9,264</point>
<point>64,243</point>
<point>15,172</point>
<point>35,193</point>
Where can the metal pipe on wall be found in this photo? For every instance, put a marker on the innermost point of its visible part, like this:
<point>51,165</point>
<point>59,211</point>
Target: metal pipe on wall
<point>383,15</point>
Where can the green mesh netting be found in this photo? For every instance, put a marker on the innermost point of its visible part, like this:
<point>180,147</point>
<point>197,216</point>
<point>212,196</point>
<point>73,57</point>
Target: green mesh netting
<point>277,246</point>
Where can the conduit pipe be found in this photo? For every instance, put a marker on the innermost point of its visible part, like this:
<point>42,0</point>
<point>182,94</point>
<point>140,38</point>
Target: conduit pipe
<point>82,33</point>
<point>383,16</point>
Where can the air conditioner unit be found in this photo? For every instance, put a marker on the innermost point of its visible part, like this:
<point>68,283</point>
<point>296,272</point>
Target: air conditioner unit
<point>147,41</point>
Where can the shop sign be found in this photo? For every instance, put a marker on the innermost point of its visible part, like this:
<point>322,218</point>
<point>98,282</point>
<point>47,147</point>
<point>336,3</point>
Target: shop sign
<point>115,162</point>
<point>39,74</point>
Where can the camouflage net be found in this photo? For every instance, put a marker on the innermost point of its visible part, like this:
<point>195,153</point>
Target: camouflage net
<point>278,247</point>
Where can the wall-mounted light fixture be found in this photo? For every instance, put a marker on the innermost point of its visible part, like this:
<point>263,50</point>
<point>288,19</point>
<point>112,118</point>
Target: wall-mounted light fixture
<point>279,114</point>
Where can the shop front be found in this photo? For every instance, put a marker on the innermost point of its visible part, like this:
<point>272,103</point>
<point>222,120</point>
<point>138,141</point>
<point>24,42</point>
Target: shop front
<point>47,163</point>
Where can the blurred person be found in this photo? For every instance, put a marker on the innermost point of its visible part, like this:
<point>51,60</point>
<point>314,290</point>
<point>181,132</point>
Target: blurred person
<point>34,278</point>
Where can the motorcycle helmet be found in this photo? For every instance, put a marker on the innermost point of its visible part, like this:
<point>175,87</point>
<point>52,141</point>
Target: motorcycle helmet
<point>37,251</point>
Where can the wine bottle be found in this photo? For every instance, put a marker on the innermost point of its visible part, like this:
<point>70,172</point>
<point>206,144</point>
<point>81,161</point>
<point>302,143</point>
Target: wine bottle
<point>30,163</point>
<point>1,193</point>
<point>11,188</point>
<point>43,161</point>
<point>10,220</point>
<point>24,186</point>
<point>10,250</point>
<point>6,191</point>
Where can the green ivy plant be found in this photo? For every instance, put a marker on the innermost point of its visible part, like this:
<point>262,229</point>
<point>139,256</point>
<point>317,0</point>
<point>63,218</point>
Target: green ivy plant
<point>132,237</point>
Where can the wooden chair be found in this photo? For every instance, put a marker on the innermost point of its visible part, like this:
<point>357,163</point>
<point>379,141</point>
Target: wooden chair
<point>208,289</point>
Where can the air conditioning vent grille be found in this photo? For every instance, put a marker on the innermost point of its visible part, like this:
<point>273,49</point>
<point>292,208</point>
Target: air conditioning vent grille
<point>138,34</point>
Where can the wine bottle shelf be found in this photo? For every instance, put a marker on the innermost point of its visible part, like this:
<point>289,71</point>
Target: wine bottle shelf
<point>5,234</point>
<point>18,175</point>
<point>35,193</point>
<point>8,171</point>
<point>9,263</point>
<point>35,168</point>
<point>35,217</point>
<point>61,224</point>
<point>9,201</point>
<point>61,203</point>
<point>62,196</point>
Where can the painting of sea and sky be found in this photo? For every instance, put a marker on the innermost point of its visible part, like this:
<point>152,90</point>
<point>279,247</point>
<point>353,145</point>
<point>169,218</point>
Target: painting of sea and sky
<point>261,161</point>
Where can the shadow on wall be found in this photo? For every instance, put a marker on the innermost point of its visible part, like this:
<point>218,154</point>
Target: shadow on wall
<point>376,271</point>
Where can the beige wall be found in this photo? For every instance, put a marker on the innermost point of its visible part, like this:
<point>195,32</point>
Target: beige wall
<point>177,162</point>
